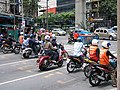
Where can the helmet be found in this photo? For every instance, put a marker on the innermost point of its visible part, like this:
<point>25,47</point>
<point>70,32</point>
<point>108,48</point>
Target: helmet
<point>31,35</point>
<point>53,36</point>
<point>106,44</point>
<point>21,33</point>
<point>79,40</point>
<point>25,35</point>
<point>47,37</point>
<point>1,35</point>
<point>95,42</point>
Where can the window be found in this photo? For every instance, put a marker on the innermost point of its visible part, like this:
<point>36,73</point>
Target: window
<point>101,31</point>
<point>97,30</point>
<point>105,31</point>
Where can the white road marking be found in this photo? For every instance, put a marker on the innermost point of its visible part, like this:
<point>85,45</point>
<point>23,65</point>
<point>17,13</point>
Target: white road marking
<point>16,62</point>
<point>31,76</point>
<point>114,89</point>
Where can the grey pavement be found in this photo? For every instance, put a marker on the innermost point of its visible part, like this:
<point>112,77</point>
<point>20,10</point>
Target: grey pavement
<point>23,74</point>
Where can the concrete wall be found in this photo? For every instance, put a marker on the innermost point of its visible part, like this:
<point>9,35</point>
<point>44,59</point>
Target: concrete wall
<point>80,12</point>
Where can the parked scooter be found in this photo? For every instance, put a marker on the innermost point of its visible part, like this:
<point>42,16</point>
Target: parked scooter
<point>45,61</point>
<point>100,73</point>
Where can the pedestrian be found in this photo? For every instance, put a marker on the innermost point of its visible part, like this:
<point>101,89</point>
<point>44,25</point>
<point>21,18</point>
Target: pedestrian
<point>75,36</point>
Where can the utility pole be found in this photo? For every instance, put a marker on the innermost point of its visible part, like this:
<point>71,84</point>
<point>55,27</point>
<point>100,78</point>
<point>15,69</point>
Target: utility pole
<point>22,14</point>
<point>47,15</point>
<point>118,45</point>
<point>14,19</point>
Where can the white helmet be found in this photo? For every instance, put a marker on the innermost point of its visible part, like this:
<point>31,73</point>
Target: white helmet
<point>53,36</point>
<point>95,42</point>
<point>21,33</point>
<point>106,44</point>
<point>47,37</point>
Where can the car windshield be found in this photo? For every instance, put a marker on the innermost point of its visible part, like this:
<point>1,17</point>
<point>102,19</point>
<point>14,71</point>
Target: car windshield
<point>111,31</point>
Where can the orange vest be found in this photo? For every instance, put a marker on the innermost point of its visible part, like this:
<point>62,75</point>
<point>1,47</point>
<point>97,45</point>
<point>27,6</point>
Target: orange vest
<point>21,39</point>
<point>104,59</point>
<point>92,53</point>
<point>76,35</point>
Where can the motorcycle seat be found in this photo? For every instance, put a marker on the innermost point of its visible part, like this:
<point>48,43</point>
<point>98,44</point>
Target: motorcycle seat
<point>101,66</point>
<point>74,56</point>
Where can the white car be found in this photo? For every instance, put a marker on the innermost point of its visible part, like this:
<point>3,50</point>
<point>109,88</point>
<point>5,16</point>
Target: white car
<point>58,31</point>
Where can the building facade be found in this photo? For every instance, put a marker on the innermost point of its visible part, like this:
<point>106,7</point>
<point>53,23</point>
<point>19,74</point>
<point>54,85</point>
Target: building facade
<point>52,4</point>
<point>65,5</point>
<point>4,6</point>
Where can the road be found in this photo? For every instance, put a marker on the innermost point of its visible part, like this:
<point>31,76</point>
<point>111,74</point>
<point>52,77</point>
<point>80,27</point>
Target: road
<point>23,74</point>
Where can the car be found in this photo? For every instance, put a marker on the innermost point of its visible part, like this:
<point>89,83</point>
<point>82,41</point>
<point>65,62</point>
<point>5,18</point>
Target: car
<point>105,33</point>
<point>85,36</point>
<point>58,31</point>
<point>114,28</point>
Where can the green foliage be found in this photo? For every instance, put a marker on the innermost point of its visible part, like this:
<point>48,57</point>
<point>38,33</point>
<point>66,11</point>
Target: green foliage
<point>30,7</point>
<point>58,19</point>
<point>108,8</point>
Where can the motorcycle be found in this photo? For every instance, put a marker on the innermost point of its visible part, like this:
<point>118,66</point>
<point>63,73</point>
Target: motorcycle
<point>45,61</point>
<point>27,52</point>
<point>75,62</point>
<point>63,52</point>
<point>88,67</point>
<point>17,48</point>
<point>7,48</point>
<point>100,73</point>
<point>70,40</point>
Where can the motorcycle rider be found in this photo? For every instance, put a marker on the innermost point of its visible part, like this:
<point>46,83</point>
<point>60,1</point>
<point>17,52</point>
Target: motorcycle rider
<point>75,36</point>
<point>10,40</point>
<point>49,49</point>
<point>53,41</point>
<point>104,61</point>
<point>77,49</point>
<point>33,44</point>
<point>25,41</point>
<point>21,37</point>
<point>94,51</point>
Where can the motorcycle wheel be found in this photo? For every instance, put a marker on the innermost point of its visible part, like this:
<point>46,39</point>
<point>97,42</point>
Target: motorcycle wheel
<point>60,63</point>
<point>4,50</point>
<point>17,50</point>
<point>44,66</point>
<point>71,66</point>
<point>87,70</point>
<point>93,78</point>
<point>65,56</point>
<point>25,56</point>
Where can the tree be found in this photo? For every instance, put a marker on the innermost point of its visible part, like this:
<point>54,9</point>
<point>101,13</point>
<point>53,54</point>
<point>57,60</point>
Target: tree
<point>108,9</point>
<point>30,7</point>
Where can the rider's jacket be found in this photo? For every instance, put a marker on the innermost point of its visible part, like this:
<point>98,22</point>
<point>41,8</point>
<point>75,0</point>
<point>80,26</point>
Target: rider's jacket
<point>92,53</point>
<point>104,59</point>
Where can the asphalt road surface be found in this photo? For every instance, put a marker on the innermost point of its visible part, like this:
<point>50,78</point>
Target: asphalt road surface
<point>17,73</point>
